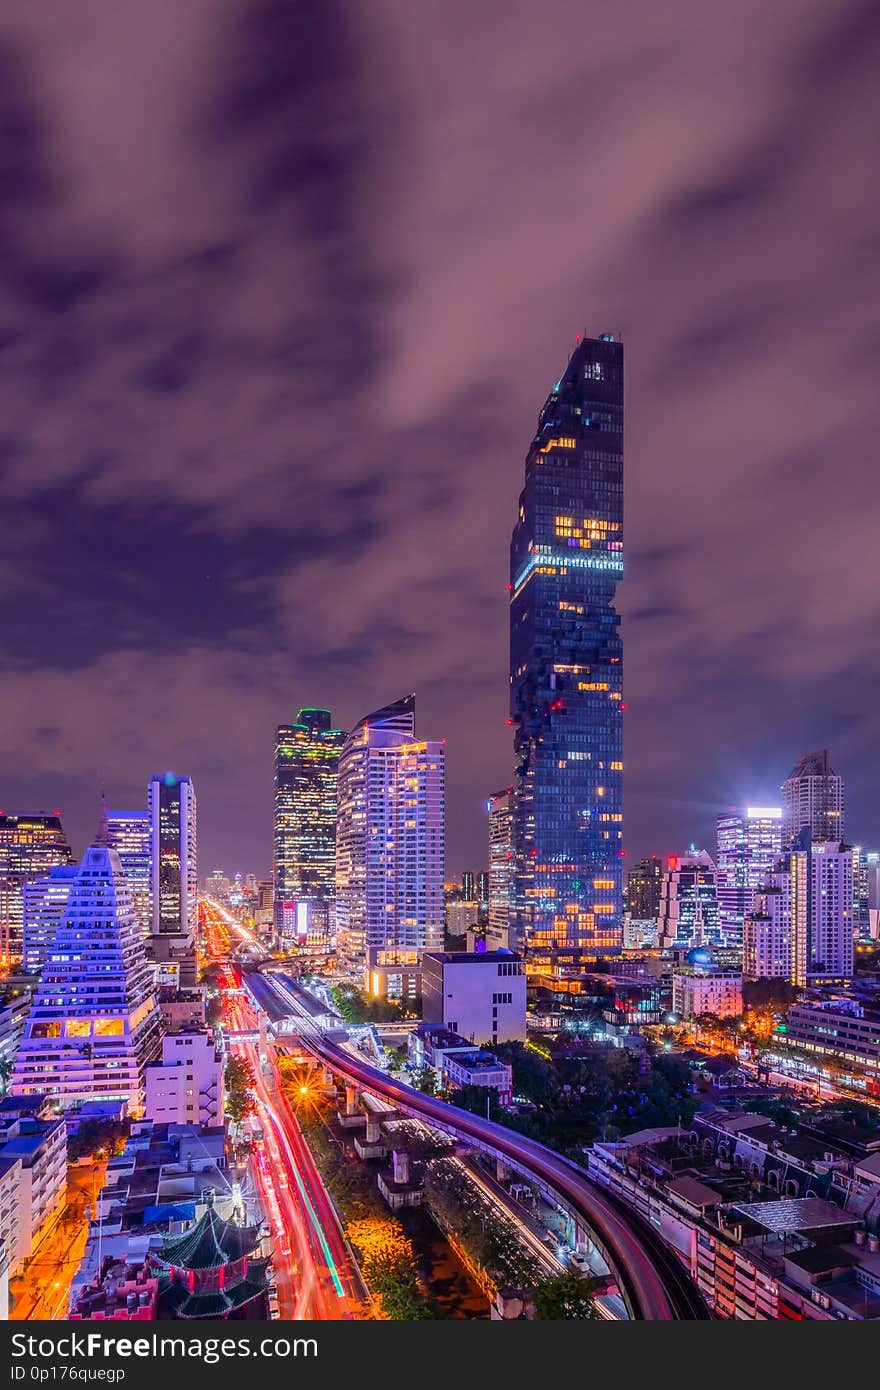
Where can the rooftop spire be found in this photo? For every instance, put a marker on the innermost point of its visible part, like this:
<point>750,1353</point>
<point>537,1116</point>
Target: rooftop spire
<point>103,835</point>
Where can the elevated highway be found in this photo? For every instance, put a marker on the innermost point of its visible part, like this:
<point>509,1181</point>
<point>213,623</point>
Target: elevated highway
<point>653,1283</point>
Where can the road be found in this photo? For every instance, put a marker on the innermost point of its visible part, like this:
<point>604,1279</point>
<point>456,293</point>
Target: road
<point>43,1290</point>
<point>315,1273</point>
<point>654,1285</point>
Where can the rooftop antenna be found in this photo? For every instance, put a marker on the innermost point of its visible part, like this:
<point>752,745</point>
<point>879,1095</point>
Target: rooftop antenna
<point>103,835</point>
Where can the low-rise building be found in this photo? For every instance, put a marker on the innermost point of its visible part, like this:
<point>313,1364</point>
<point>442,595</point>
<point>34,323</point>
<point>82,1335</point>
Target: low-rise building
<point>35,1140</point>
<point>702,987</point>
<point>479,994</point>
<point>14,1007</point>
<point>182,1010</point>
<point>186,1086</point>
<point>478,1068</point>
<point>771,1224</point>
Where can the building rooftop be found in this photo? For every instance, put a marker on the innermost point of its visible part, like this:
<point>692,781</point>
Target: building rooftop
<point>471,957</point>
<point>796,1214</point>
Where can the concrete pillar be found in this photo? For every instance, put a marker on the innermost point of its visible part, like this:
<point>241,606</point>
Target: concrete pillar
<point>374,1133</point>
<point>400,1160</point>
<point>351,1100</point>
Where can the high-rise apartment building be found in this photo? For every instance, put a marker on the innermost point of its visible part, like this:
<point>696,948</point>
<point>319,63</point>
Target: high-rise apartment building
<point>306,763</point>
<point>566,663</point>
<point>44,902</point>
<point>749,844</point>
<point>822,909</point>
<point>502,876</point>
<point>770,948</point>
<point>94,1022</point>
<point>173,856</point>
<point>29,847</point>
<point>131,835</point>
<point>390,848</point>
<point>812,799</point>
<point>689,903</point>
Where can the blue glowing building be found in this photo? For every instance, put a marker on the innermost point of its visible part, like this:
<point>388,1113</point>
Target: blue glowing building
<point>566,668</point>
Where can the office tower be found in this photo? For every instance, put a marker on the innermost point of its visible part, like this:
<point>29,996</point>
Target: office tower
<point>217,885</point>
<point>390,844</point>
<point>132,837</point>
<point>306,763</point>
<point>502,876</point>
<point>749,844</point>
<point>812,797</point>
<point>483,888</point>
<point>94,1022</point>
<point>174,888</point>
<point>861,891</point>
<point>44,901</point>
<point>29,847</point>
<point>643,885</point>
<point>689,903</point>
<point>769,946</point>
<point>566,672</point>
<point>822,909</point>
<point>469,886</point>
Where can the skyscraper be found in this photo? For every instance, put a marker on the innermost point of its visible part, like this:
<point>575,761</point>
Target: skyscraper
<point>174,888</point>
<point>501,869</point>
<point>390,848</point>
<point>689,903</point>
<point>566,672</point>
<point>643,885</point>
<point>306,763</point>
<point>45,900</point>
<point>94,1022</point>
<point>812,796</point>
<point>29,847</point>
<point>822,909</point>
<point>749,844</point>
<point>131,836</point>
<point>770,948</point>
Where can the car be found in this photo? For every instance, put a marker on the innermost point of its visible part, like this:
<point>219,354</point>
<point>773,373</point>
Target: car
<point>579,1263</point>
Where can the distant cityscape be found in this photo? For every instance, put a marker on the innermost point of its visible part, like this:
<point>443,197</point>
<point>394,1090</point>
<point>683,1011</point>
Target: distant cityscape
<point>559,1087</point>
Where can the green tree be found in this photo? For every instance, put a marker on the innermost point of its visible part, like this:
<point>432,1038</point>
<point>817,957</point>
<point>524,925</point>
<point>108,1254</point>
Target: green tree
<point>239,1079</point>
<point>567,1296</point>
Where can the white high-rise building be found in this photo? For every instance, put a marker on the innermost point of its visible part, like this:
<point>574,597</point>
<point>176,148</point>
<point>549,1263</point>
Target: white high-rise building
<point>94,1022</point>
<point>502,868</point>
<point>769,947</point>
<point>812,798</point>
<point>175,888</point>
<point>689,903</point>
<point>749,844</point>
<point>131,835</point>
<point>44,901</point>
<point>390,849</point>
<point>822,911</point>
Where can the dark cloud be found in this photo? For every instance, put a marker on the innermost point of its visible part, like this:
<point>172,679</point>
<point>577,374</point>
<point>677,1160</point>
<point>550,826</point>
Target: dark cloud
<point>282,289</point>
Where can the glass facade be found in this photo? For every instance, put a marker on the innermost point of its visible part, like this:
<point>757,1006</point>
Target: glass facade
<point>173,852</point>
<point>306,763</point>
<point>566,663</point>
<point>29,847</point>
<point>748,845</point>
<point>130,835</point>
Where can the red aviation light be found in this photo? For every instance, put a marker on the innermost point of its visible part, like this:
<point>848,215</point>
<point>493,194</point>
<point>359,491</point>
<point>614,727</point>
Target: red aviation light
<point>672,861</point>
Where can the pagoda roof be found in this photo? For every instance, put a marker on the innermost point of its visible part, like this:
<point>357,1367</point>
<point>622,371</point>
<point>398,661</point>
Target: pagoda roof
<point>177,1301</point>
<point>210,1243</point>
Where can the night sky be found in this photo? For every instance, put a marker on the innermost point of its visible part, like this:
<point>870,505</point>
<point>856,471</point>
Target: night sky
<point>283,287</point>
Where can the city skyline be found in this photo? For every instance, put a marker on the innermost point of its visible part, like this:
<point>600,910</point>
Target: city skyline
<point>330,547</point>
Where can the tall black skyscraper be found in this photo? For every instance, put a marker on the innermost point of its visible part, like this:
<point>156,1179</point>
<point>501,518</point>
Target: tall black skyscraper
<point>566,670</point>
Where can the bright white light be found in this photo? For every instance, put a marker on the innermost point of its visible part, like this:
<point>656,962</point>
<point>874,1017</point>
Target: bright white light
<point>764,812</point>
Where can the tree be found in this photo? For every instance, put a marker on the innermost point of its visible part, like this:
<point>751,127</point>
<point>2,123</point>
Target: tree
<point>94,1137</point>
<point>239,1079</point>
<point>566,1296</point>
<point>426,1081</point>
